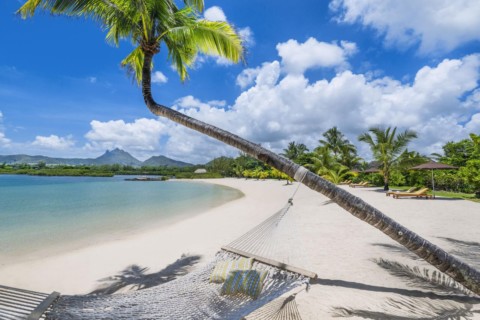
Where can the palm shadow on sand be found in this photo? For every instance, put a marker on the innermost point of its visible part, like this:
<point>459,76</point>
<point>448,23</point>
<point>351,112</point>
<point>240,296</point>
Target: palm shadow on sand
<point>433,295</point>
<point>135,277</point>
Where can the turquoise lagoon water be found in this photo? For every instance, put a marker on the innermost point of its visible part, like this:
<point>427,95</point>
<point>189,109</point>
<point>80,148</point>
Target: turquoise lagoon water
<point>44,213</point>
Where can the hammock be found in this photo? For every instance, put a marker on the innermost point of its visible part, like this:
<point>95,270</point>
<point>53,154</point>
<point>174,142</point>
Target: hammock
<point>193,296</point>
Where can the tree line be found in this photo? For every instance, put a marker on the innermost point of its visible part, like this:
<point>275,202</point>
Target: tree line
<point>107,170</point>
<point>336,159</point>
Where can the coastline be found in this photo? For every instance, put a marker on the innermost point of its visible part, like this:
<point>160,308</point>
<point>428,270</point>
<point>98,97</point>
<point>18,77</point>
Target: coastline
<point>81,221</point>
<point>153,247</point>
<point>341,249</point>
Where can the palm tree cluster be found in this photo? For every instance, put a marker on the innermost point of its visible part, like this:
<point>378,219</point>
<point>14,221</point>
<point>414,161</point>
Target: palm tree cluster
<point>333,159</point>
<point>336,158</point>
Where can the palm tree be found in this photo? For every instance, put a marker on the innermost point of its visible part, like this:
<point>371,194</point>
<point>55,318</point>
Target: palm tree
<point>337,175</point>
<point>294,150</point>
<point>343,151</point>
<point>148,23</point>
<point>322,160</point>
<point>334,140</point>
<point>387,147</point>
<point>348,156</point>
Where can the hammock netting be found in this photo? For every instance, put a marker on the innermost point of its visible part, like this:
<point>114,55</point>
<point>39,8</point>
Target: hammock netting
<point>193,296</point>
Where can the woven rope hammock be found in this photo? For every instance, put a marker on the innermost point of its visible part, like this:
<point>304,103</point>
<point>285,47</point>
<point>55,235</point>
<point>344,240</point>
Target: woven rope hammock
<point>193,296</point>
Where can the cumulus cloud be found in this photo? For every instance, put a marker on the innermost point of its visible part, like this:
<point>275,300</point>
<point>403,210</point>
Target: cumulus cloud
<point>159,78</point>
<point>441,103</point>
<point>279,105</point>
<point>140,136</point>
<point>215,14</point>
<point>247,77</point>
<point>299,57</point>
<point>54,142</point>
<point>435,25</point>
<point>246,34</point>
<point>4,142</point>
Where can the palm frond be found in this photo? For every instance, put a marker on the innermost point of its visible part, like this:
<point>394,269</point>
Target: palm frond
<point>398,249</point>
<point>410,308</point>
<point>424,278</point>
<point>469,251</point>
<point>67,7</point>
<point>133,63</point>
<point>218,38</point>
<point>197,4</point>
<point>181,58</point>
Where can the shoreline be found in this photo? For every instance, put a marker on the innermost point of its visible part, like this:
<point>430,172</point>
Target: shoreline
<point>42,271</point>
<point>115,230</point>
<point>341,249</point>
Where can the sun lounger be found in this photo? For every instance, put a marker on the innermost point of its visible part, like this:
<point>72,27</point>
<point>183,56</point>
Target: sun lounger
<point>417,194</point>
<point>408,191</point>
<point>346,182</point>
<point>361,184</point>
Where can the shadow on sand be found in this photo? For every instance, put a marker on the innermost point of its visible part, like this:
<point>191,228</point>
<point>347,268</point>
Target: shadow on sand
<point>432,295</point>
<point>135,277</point>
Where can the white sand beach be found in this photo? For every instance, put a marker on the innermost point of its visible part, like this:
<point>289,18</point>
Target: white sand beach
<point>337,246</point>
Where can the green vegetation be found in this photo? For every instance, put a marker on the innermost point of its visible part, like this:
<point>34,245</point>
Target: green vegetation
<point>149,24</point>
<point>103,171</point>
<point>335,159</point>
<point>387,148</point>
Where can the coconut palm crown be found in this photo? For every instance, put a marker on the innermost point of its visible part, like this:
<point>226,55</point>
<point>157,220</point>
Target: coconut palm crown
<point>149,24</point>
<point>387,146</point>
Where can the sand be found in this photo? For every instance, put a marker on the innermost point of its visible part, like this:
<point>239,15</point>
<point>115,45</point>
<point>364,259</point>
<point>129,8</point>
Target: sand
<point>327,240</point>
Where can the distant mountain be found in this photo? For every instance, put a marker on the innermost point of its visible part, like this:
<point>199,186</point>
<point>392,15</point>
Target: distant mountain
<point>164,161</point>
<point>23,158</point>
<point>116,156</point>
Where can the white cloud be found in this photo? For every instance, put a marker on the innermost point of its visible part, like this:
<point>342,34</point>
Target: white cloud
<point>221,61</point>
<point>299,57</point>
<point>442,104</point>
<point>159,77</point>
<point>92,79</point>
<point>436,25</point>
<point>4,142</point>
<point>54,142</point>
<point>246,35</point>
<point>215,14</point>
<point>247,77</point>
<point>141,136</point>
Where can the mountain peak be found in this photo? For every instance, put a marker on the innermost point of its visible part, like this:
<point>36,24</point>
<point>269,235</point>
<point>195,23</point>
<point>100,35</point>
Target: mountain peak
<point>164,161</point>
<point>118,156</point>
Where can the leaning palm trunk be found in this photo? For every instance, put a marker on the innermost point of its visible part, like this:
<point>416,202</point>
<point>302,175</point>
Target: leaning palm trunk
<point>458,270</point>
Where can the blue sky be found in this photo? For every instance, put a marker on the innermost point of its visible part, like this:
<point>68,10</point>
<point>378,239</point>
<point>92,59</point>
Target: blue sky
<point>310,66</point>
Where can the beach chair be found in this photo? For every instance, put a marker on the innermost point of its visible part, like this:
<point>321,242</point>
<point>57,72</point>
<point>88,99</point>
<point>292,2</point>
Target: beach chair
<point>417,194</point>
<point>360,185</point>
<point>346,182</point>
<point>408,191</point>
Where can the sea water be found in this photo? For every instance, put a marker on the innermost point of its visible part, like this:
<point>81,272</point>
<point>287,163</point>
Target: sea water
<point>46,213</point>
